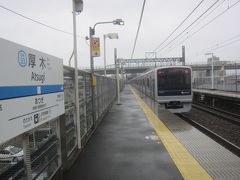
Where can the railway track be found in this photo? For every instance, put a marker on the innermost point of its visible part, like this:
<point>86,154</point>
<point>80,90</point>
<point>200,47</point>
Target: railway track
<point>228,116</point>
<point>227,144</point>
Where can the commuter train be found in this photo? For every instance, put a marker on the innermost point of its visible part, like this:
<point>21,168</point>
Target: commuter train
<point>170,86</point>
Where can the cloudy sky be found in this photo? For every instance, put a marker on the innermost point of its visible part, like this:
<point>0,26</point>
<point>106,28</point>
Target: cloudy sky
<point>161,17</point>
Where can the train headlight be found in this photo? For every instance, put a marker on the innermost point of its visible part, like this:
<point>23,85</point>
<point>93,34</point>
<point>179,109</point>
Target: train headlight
<point>186,71</point>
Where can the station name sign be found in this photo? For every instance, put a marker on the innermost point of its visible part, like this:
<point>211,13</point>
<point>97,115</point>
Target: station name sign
<point>31,89</point>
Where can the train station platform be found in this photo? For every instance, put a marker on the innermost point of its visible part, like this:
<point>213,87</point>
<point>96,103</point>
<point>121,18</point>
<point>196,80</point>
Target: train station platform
<point>219,94</point>
<point>133,143</point>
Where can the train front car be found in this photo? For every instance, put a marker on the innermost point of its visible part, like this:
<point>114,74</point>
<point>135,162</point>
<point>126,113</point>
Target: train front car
<point>174,88</point>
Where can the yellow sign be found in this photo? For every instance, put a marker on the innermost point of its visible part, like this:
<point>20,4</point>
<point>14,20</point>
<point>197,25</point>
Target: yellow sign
<point>94,80</point>
<point>95,44</point>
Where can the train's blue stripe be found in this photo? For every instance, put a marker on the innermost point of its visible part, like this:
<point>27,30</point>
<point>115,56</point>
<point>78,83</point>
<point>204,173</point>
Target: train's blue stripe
<point>7,92</point>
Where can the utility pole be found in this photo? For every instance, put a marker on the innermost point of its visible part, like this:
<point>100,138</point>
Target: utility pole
<point>91,33</point>
<point>212,74</point>
<point>183,55</point>
<point>77,7</point>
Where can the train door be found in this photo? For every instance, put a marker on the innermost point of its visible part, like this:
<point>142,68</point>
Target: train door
<point>155,84</point>
<point>153,88</point>
<point>143,84</point>
<point>146,85</point>
<point>150,86</point>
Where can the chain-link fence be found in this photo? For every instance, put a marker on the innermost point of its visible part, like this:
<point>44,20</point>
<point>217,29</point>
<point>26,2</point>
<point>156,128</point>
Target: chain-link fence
<point>53,147</point>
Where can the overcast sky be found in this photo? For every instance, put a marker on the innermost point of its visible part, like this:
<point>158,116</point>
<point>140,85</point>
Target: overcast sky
<point>159,20</point>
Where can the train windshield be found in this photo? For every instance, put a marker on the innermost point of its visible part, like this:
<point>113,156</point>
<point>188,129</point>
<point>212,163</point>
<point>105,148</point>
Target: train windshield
<point>174,81</point>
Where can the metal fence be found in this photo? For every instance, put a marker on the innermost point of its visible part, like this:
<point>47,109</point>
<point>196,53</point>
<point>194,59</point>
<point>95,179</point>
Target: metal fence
<point>223,83</point>
<point>51,148</point>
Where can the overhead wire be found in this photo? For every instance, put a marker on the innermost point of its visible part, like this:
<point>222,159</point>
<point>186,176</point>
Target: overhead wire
<point>179,25</point>
<point>220,14</point>
<point>139,25</point>
<point>176,44</point>
<point>190,25</point>
<point>221,3</point>
<point>218,47</point>
<point>224,43</point>
<point>219,44</point>
<point>230,43</point>
<point>213,19</point>
<point>38,22</point>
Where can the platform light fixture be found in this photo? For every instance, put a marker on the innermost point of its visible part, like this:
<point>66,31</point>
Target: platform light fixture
<point>118,22</point>
<point>110,36</point>
<point>114,22</point>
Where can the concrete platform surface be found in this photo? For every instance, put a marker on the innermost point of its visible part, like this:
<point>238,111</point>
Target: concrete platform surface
<point>124,146</point>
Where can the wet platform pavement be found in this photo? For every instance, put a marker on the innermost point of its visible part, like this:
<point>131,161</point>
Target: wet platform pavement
<point>139,139</point>
<point>124,146</point>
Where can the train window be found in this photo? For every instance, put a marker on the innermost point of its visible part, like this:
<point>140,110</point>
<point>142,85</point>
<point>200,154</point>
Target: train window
<point>173,81</point>
<point>147,82</point>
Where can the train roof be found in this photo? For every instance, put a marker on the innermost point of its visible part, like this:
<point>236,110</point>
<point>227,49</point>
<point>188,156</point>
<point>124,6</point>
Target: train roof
<point>164,67</point>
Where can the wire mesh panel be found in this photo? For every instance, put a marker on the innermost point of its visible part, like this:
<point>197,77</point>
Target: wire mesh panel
<point>40,152</point>
<point>97,97</point>
<point>101,102</point>
<point>89,113</point>
<point>70,123</point>
<point>44,150</point>
<point>223,83</point>
<point>69,93</point>
<point>70,133</point>
<point>82,105</point>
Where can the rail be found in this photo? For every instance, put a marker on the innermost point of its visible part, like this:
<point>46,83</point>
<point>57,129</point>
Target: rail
<point>232,147</point>
<point>230,117</point>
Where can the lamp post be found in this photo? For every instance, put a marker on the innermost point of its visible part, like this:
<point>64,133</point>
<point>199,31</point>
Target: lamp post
<point>77,8</point>
<point>91,34</point>
<point>117,66</point>
<point>212,87</point>
<point>110,36</point>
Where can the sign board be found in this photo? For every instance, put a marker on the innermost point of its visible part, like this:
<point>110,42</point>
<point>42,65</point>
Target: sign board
<point>31,89</point>
<point>95,44</point>
<point>94,80</point>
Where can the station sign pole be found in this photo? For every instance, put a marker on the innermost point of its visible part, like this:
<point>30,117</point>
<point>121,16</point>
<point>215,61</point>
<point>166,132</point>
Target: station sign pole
<point>183,55</point>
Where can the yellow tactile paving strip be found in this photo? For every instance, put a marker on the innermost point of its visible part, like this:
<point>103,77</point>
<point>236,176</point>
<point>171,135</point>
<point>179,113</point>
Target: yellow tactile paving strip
<point>186,164</point>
